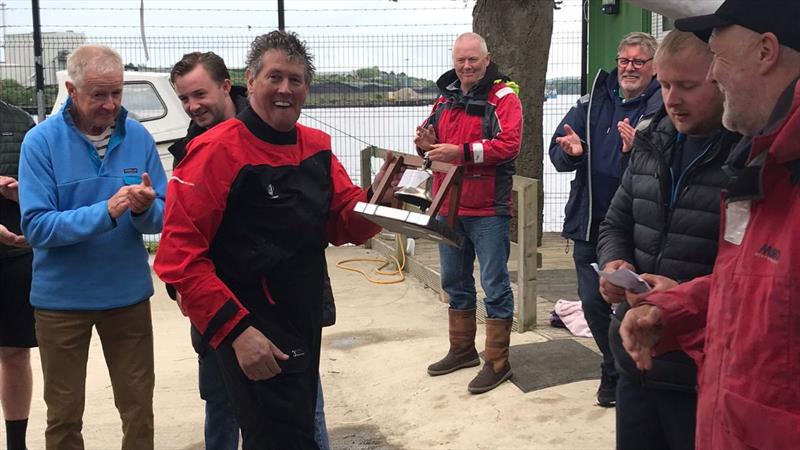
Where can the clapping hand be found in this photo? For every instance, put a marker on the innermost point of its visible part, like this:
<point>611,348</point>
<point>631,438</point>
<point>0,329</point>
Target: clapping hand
<point>425,137</point>
<point>142,195</point>
<point>627,133</point>
<point>570,142</point>
<point>12,239</point>
<point>9,188</point>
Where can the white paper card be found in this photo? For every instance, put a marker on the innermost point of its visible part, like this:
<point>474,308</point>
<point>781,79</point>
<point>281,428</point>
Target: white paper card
<point>737,216</point>
<point>413,178</point>
<point>624,278</point>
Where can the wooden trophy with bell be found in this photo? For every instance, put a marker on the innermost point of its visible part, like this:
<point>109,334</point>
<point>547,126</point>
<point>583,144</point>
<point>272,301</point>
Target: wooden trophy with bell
<point>415,190</point>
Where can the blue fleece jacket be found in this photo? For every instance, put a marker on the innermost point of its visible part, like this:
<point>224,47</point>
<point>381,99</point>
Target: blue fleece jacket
<point>82,259</point>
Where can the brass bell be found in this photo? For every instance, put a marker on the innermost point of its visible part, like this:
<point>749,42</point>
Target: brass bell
<point>414,186</point>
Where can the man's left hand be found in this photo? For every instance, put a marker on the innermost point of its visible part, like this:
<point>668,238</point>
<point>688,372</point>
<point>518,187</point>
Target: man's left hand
<point>627,133</point>
<point>9,188</point>
<point>12,239</point>
<point>444,152</point>
<point>142,195</point>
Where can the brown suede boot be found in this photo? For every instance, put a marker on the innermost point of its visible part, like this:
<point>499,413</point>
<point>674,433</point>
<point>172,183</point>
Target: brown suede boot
<point>462,351</point>
<point>496,369</point>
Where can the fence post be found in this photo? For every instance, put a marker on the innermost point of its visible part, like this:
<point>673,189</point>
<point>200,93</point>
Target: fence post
<point>527,230</point>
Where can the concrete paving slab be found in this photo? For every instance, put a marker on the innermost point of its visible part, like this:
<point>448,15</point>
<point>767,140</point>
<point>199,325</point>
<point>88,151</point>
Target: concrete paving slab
<point>377,392</point>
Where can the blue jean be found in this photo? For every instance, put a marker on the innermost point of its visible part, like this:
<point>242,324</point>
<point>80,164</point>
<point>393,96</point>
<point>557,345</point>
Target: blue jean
<point>486,237</point>
<point>221,427</point>
<point>595,308</point>
<point>320,430</point>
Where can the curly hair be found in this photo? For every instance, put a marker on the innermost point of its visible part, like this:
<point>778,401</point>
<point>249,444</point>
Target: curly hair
<point>287,42</point>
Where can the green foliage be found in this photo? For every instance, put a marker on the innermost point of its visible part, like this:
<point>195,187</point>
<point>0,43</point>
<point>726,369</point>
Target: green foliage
<point>25,97</point>
<point>151,246</point>
<point>16,94</point>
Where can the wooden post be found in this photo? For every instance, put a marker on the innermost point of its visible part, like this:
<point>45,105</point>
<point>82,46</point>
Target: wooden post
<point>527,229</point>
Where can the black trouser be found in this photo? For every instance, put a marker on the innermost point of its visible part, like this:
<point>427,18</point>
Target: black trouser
<point>654,419</point>
<point>286,306</point>
<point>273,414</point>
<point>595,309</point>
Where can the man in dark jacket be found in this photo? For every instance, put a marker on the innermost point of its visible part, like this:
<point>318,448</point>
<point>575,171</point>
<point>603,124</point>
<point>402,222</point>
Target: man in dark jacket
<point>589,142</point>
<point>17,335</point>
<point>203,85</point>
<point>664,220</point>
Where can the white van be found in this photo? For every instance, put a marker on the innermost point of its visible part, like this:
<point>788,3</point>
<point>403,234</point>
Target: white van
<point>150,99</point>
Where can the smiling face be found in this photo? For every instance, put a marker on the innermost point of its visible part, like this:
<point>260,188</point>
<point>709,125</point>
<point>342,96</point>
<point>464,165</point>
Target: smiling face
<point>633,81</point>
<point>205,101</point>
<point>694,104</point>
<point>469,61</point>
<point>96,100</point>
<point>735,69</point>
<point>278,91</point>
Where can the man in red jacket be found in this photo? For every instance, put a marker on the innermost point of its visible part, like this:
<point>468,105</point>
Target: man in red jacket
<point>477,123</point>
<point>741,324</point>
<point>250,211</point>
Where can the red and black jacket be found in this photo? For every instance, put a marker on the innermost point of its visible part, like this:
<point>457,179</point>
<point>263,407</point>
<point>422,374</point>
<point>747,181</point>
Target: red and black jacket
<point>249,213</point>
<point>486,123</point>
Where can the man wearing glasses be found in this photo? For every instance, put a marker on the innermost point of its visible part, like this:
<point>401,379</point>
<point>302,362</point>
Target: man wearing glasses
<point>594,140</point>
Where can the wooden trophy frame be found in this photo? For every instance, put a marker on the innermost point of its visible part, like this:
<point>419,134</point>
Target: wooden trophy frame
<point>417,224</point>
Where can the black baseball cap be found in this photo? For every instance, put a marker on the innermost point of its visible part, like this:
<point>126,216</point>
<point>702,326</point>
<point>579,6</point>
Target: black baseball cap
<point>779,17</point>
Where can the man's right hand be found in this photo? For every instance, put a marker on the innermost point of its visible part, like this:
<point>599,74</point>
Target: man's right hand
<point>257,355</point>
<point>570,142</point>
<point>425,138</point>
<point>611,292</point>
<point>12,239</point>
<point>119,202</point>
<point>640,332</point>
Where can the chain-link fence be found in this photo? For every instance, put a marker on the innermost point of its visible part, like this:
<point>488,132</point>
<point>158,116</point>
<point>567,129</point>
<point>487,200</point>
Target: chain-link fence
<point>369,89</point>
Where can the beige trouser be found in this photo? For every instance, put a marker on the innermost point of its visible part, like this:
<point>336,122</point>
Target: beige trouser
<point>127,338</point>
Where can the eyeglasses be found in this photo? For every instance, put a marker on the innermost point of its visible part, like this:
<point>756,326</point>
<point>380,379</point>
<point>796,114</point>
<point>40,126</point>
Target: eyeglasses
<point>637,63</point>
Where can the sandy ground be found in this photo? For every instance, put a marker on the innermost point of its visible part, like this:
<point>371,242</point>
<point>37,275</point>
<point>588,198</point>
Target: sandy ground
<point>377,392</point>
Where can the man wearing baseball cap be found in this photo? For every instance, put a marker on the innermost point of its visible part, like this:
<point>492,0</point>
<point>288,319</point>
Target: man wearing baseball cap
<point>741,324</point>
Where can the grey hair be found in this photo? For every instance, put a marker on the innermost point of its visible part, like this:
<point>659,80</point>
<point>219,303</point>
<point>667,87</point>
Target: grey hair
<point>476,36</point>
<point>645,41</point>
<point>287,42</point>
<point>98,58</point>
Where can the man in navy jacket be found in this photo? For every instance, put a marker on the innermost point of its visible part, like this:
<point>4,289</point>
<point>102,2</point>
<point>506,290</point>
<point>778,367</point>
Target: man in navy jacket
<point>594,140</point>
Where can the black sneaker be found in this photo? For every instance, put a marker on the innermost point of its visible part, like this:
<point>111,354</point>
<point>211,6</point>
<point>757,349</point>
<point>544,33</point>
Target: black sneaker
<point>607,392</point>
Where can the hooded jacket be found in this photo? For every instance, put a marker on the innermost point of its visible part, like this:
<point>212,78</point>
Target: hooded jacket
<point>486,123</point>
<point>741,324</point>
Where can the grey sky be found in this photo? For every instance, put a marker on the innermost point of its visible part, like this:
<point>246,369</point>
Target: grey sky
<point>318,21</point>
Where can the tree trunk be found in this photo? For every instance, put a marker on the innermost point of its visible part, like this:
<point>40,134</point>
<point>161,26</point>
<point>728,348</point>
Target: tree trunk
<point>518,34</point>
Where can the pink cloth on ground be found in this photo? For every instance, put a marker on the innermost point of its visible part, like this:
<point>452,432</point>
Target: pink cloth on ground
<point>571,313</point>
